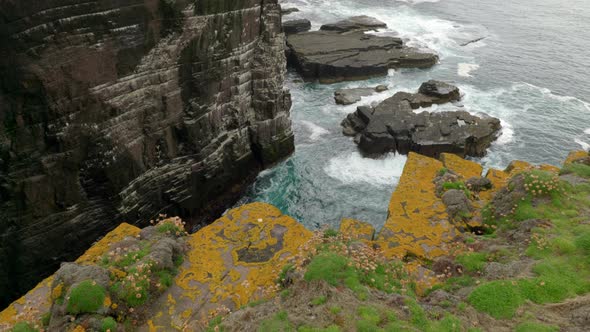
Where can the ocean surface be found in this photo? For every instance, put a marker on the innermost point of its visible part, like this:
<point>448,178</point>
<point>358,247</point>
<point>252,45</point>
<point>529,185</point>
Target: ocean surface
<point>530,70</point>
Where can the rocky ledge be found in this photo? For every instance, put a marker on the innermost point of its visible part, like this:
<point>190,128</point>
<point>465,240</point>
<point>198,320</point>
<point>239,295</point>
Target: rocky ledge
<point>342,51</point>
<point>394,126</point>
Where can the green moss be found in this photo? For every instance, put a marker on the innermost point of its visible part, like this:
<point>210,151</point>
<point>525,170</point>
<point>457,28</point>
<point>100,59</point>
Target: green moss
<point>319,300</point>
<point>330,233</point>
<point>215,324</point>
<point>499,299</point>
<point>418,316</point>
<point>331,328</point>
<point>535,327</point>
<point>166,278</point>
<point>582,242</point>
<point>335,270</point>
<point>278,323</point>
<point>472,262</point>
<point>458,186</point>
<point>23,327</point>
<point>136,293</point>
<point>577,169</point>
<point>45,319</point>
<point>86,297</point>
<point>335,310</point>
<point>443,171</point>
<point>449,323</point>
<point>108,324</point>
<point>169,228</point>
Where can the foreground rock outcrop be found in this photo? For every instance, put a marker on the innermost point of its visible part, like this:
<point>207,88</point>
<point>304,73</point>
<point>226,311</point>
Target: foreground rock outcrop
<point>343,51</point>
<point>120,110</point>
<point>502,252</point>
<point>228,264</point>
<point>394,126</point>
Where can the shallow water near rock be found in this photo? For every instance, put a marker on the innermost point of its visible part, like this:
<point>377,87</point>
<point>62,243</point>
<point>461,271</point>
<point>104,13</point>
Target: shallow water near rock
<point>528,70</point>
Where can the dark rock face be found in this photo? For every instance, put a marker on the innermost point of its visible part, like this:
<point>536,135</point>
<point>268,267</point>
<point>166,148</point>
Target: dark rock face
<point>394,126</point>
<point>119,110</point>
<point>342,51</point>
<point>296,26</point>
<point>351,96</point>
<point>355,23</point>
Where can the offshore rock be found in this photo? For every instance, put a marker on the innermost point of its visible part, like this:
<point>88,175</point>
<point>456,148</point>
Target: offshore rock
<point>296,26</point>
<point>124,109</point>
<point>355,23</point>
<point>351,96</point>
<point>343,52</point>
<point>394,126</point>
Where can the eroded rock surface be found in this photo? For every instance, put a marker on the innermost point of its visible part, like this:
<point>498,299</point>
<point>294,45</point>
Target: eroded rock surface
<point>354,95</point>
<point>342,51</point>
<point>394,126</point>
<point>120,110</point>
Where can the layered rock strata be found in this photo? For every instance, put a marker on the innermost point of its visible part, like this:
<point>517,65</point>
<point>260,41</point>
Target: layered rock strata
<point>394,126</point>
<point>343,52</point>
<point>120,110</point>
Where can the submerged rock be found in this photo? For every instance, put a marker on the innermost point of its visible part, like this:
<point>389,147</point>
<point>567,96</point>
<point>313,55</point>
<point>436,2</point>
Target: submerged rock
<point>288,11</point>
<point>296,26</point>
<point>342,51</point>
<point>351,96</point>
<point>394,126</point>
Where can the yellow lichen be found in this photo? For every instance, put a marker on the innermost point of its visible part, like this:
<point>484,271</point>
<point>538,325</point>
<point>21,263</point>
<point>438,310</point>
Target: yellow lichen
<point>465,168</point>
<point>356,230</point>
<point>574,156</point>
<point>234,261</point>
<point>417,222</point>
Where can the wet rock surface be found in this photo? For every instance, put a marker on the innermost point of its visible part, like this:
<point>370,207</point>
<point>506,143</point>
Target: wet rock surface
<point>296,26</point>
<point>351,96</point>
<point>394,126</point>
<point>342,51</point>
<point>128,109</point>
<point>355,23</point>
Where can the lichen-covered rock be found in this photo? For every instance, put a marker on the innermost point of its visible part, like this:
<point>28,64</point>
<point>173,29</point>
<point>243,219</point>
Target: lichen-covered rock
<point>119,110</point>
<point>417,220</point>
<point>38,301</point>
<point>458,205</point>
<point>234,261</point>
<point>356,230</point>
<point>577,157</point>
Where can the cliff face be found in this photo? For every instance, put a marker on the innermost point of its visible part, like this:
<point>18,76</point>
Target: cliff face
<point>123,109</point>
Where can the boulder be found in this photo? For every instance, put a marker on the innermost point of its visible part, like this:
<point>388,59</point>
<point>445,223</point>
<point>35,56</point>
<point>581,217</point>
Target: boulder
<point>394,126</point>
<point>296,26</point>
<point>355,23</point>
<point>343,52</point>
<point>458,204</point>
<point>478,184</point>
<point>351,96</point>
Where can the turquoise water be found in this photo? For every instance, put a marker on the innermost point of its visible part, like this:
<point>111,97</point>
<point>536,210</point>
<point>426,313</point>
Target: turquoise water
<point>529,71</point>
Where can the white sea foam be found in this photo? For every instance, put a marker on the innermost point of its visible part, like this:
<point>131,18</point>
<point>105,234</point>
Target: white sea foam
<point>583,144</point>
<point>507,135</point>
<point>465,69</point>
<point>315,131</point>
<point>353,168</point>
<point>587,131</point>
